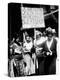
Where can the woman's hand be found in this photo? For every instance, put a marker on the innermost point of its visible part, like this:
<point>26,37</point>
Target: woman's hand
<point>49,53</point>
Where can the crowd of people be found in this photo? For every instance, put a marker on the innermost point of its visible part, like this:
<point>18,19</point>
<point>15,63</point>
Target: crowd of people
<point>33,56</point>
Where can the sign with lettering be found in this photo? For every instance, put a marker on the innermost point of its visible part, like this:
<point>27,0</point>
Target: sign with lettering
<point>32,17</point>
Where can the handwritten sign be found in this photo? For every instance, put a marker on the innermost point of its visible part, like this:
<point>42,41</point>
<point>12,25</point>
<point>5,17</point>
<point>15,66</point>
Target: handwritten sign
<point>32,17</point>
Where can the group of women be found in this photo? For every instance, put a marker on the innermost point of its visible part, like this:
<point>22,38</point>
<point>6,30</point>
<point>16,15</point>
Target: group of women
<point>33,57</point>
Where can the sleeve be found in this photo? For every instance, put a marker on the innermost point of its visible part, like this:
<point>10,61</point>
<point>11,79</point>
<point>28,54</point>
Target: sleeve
<point>41,45</point>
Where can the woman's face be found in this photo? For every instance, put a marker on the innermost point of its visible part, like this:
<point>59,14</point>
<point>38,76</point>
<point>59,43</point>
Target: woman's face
<point>28,39</point>
<point>49,37</point>
<point>38,37</point>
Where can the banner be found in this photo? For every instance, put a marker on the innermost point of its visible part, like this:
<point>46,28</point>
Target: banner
<point>32,17</point>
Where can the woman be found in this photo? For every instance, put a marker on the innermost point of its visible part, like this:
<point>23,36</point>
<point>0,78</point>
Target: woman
<point>49,50</point>
<point>27,47</point>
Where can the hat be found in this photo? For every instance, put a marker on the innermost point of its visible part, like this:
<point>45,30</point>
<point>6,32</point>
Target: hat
<point>38,32</point>
<point>49,31</point>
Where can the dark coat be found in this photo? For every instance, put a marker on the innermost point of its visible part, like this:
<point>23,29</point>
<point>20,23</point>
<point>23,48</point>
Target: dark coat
<point>53,47</point>
<point>49,61</point>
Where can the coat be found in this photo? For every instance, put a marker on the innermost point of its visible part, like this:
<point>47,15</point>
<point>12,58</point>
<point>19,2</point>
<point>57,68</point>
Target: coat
<point>53,47</point>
